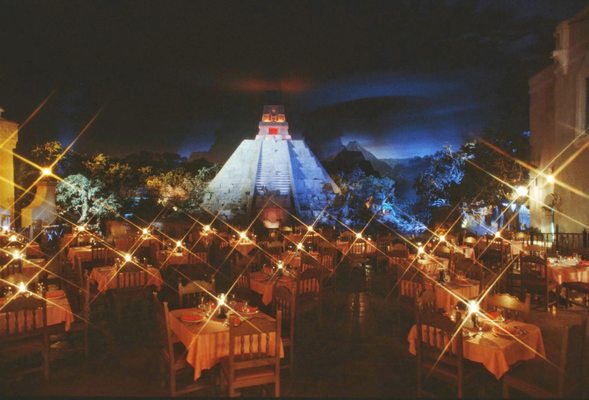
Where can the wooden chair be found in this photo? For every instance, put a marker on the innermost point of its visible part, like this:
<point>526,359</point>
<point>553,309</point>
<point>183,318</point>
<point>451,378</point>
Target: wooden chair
<point>253,359</point>
<point>172,357</point>
<point>511,306</point>
<point>534,279</point>
<point>10,268</point>
<point>308,261</point>
<point>426,301</point>
<point>309,291</point>
<point>434,357</point>
<point>23,332</point>
<point>283,300</point>
<point>189,293</point>
<point>101,255</point>
<point>328,257</point>
<point>131,291</point>
<point>538,378</point>
<point>471,270</point>
<point>410,286</point>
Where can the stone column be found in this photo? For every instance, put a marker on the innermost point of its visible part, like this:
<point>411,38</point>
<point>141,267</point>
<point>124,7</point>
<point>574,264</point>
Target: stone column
<point>8,140</point>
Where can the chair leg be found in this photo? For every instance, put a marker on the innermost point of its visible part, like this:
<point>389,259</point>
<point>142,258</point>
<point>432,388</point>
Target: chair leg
<point>505,390</point>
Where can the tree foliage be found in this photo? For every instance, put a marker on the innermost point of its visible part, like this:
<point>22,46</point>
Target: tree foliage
<point>180,188</point>
<point>83,200</point>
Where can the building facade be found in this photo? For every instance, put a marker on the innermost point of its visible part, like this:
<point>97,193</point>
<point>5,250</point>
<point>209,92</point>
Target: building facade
<point>8,140</point>
<point>271,175</point>
<point>559,124</point>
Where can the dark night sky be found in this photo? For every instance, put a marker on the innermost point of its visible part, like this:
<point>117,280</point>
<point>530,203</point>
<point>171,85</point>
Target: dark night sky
<point>402,77</point>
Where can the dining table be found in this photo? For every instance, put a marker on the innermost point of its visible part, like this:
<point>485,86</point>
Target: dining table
<point>207,338</point>
<point>563,270</point>
<point>58,311</point>
<point>172,257</point>
<point>493,347</point>
<point>83,253</point>
<point>263,283</point>
<point>106,278</point>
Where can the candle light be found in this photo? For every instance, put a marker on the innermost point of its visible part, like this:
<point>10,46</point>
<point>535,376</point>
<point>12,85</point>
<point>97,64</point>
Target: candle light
<point>299,246</point>
<point>22,288</point>
<point>178,243</point>
<point>310,228</point>
<point>359,235</point>
<point>442,238</point>
<point>206,228</point>
<point>243,235</point>
<point>16,255</point>
<point>128,257</point>
<point>12,238</point>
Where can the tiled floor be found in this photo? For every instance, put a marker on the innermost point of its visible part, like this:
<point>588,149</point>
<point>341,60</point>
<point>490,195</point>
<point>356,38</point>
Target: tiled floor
<point>358,350</point>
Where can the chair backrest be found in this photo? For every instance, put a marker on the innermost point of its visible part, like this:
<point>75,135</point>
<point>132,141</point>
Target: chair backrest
<point>255,343</point>
<point>162,318</point>
<point>572,357</point>
<point>511,305</point>
<point>188,293</point>
<point>426,301</point>
<point>283,300</point>
<point>131,276</point>
<point>410,281</point>
<point>443,251</point>
<point>23,317</point>
<point>469,268</point>
<point>198,255</point>
<point>470,241</point>
<point>10,268</point>
<point>455,258</point>
<point>240,275</point>
<point>308,261</point>
<point>309,281</point>
<point>358,247</point>
<point>439,344</point>
<point>101,253</point>
<point>328,256</point>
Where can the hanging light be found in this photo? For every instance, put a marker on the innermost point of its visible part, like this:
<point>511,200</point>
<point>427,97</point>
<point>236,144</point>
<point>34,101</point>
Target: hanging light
<point>310,228</point>
<point>46,171</point>
<point>442,238</point>
<point>550,178</point>
<point>359,235</point>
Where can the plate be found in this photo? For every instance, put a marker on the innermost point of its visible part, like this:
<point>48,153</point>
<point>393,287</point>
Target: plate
<point>250,311</point>
<point>192,318</point>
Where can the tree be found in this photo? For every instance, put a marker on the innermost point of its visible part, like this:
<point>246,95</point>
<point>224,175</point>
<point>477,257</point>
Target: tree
<point>83,200</point>
<point>180,188</point>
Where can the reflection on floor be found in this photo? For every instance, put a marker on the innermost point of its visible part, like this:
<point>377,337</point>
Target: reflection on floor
<point>359,349</point>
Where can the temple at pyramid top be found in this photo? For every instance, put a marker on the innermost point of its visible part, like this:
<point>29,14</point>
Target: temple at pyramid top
<point>272,176</point>
<point>273,123</point>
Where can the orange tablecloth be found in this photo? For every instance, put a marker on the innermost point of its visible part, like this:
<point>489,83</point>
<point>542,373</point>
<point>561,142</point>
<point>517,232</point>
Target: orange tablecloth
<point>166,257</point>
<point>105,278</point>
<point>568,273</point>
<point>260,284</point>
<point>447,300</point>
<point>207,342</point>
<point>496,353</point>
<point>84,253</point>
<point>243,247</point>
<point>58,311</point>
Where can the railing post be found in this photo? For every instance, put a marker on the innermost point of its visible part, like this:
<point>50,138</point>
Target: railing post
<point>556,237</point>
